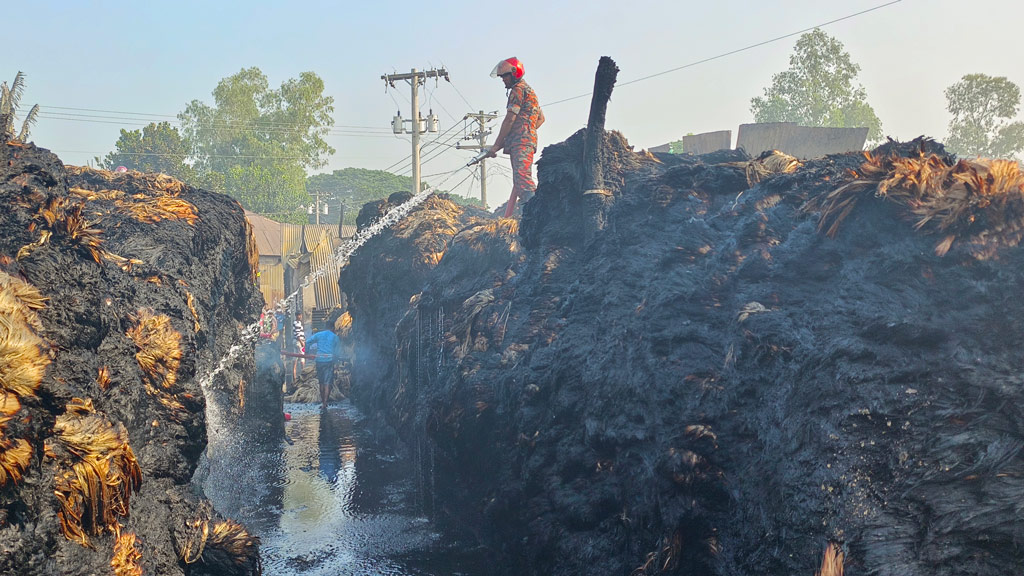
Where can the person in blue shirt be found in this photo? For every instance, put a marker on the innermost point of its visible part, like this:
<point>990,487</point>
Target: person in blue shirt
<point>328,352</point>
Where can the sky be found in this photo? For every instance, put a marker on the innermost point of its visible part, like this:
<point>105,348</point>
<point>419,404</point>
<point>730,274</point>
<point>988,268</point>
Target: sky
<point>144,61</point>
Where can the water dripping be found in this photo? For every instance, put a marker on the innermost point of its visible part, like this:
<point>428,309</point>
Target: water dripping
<point>418,471</point>
<point>419,350</point>
<point>433,485</point>
<point>440,340</point>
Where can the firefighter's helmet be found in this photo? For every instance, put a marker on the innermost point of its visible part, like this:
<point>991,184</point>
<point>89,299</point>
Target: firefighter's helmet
<point>511,66</point>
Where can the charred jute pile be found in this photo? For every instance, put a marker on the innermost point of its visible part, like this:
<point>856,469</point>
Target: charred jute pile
<point>384,277</point>
<point>118,292</point>
<point>752,365</point>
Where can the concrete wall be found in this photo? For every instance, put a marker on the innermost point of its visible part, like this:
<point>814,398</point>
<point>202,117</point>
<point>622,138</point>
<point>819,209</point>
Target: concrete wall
<point>707,142</point>
<point>799,141</point>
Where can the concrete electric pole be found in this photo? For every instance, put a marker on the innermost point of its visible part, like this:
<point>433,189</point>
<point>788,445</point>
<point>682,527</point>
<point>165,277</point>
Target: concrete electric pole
<point>315,208</point>
<point>415,78</point>
<point>481,135</point>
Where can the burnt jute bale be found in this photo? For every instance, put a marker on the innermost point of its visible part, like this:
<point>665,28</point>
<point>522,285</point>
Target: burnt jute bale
<point>714,384</point>
<point>119,293</point>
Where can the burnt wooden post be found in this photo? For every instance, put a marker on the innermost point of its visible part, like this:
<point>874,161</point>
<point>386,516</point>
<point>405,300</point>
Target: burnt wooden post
<point>596,197</point>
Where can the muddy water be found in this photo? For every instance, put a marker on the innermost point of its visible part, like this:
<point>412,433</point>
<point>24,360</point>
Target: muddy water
<point>334,498</point>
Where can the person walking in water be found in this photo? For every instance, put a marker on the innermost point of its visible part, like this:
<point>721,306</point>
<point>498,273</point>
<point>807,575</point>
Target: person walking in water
<point>328,352</point>
<point>518,133</point>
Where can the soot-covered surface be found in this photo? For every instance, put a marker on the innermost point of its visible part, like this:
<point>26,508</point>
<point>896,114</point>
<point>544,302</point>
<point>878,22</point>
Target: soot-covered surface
<point>710,384</point>
<point>119,293</point>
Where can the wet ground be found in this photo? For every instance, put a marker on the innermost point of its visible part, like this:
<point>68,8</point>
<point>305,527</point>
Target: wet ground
<point>333,499</point>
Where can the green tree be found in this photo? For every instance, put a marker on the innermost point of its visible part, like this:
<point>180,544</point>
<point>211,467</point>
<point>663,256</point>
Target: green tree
<point>818,89</point>
<point>983,108</point>
<point>256,143</point>
<point>355,187</point>
<point>10,98</point>
<point>155,148</point>
<point>465,200</point>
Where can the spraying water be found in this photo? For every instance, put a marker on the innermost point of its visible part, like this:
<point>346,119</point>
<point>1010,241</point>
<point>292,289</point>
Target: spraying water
<point>250,333</point>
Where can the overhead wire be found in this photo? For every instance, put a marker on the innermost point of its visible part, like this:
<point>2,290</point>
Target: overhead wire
<point>435,152</point>
<point>731,52</point>
<point>164,154</point>
<point>44,107</point>
<point>242,126</point>
<point>447,143</point>
<point>430,104</point>
<point>407,169</point>
<point>457,91</point>
<point>472,173</point>
<point>435,143</point>
<point>476,178</point>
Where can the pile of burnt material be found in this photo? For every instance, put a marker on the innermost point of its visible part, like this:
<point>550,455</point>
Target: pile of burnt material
<point>380,279</point>
<point>119,294</point>
<point>718,365</point>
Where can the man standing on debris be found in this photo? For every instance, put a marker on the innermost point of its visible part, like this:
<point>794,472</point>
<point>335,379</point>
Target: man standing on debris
<point>328,352</point>
<point>299,333</point>
<point>518,134</point>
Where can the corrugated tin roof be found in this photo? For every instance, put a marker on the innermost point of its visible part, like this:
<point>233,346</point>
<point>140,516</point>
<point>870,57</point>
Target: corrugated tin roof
<point>291,240</point>
<point>267,234</point>
<point>320,243</point>
<point>313,234</point>
<point>272,282</point>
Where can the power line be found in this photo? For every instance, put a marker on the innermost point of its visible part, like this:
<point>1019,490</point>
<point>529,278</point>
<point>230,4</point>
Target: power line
<point>155,115</point>
<point>439,173</point>
<point>129,124</point>
<point>470,187</point>
<point>431,100</point>
<point>186,155</point>
<point>737,51</point>
<point>471,174</point>
<point>457,91</point>
<point>407,158</point>
<point>436,143</point>
<point>215,125</point>
<point>437,151</point>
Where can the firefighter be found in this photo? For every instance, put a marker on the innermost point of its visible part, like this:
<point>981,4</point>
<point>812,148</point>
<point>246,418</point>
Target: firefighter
<point>518,133</point>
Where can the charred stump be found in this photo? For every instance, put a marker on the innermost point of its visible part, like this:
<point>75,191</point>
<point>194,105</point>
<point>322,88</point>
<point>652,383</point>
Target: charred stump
<point>597,196</point>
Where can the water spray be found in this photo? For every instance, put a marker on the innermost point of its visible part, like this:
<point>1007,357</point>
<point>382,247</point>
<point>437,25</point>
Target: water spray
<point>341,257</point>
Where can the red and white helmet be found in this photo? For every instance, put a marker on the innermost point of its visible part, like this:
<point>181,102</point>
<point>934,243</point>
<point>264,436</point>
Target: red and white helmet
<point>511,66</point>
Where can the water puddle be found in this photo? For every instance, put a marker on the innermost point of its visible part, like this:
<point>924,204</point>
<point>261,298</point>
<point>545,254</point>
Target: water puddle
<point>333,500</point>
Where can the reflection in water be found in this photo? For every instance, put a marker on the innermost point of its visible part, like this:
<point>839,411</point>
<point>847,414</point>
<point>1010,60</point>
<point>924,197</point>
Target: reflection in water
<point>333,500</point>
<point>337,449</point>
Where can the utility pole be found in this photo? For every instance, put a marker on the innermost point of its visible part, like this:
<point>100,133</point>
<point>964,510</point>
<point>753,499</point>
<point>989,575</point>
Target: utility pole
<point>315,208</point>
<point>415,78</point>
<point>481,135</point>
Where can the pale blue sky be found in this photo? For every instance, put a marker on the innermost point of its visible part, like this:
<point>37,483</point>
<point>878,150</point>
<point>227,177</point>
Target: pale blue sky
<point>154,57</point>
